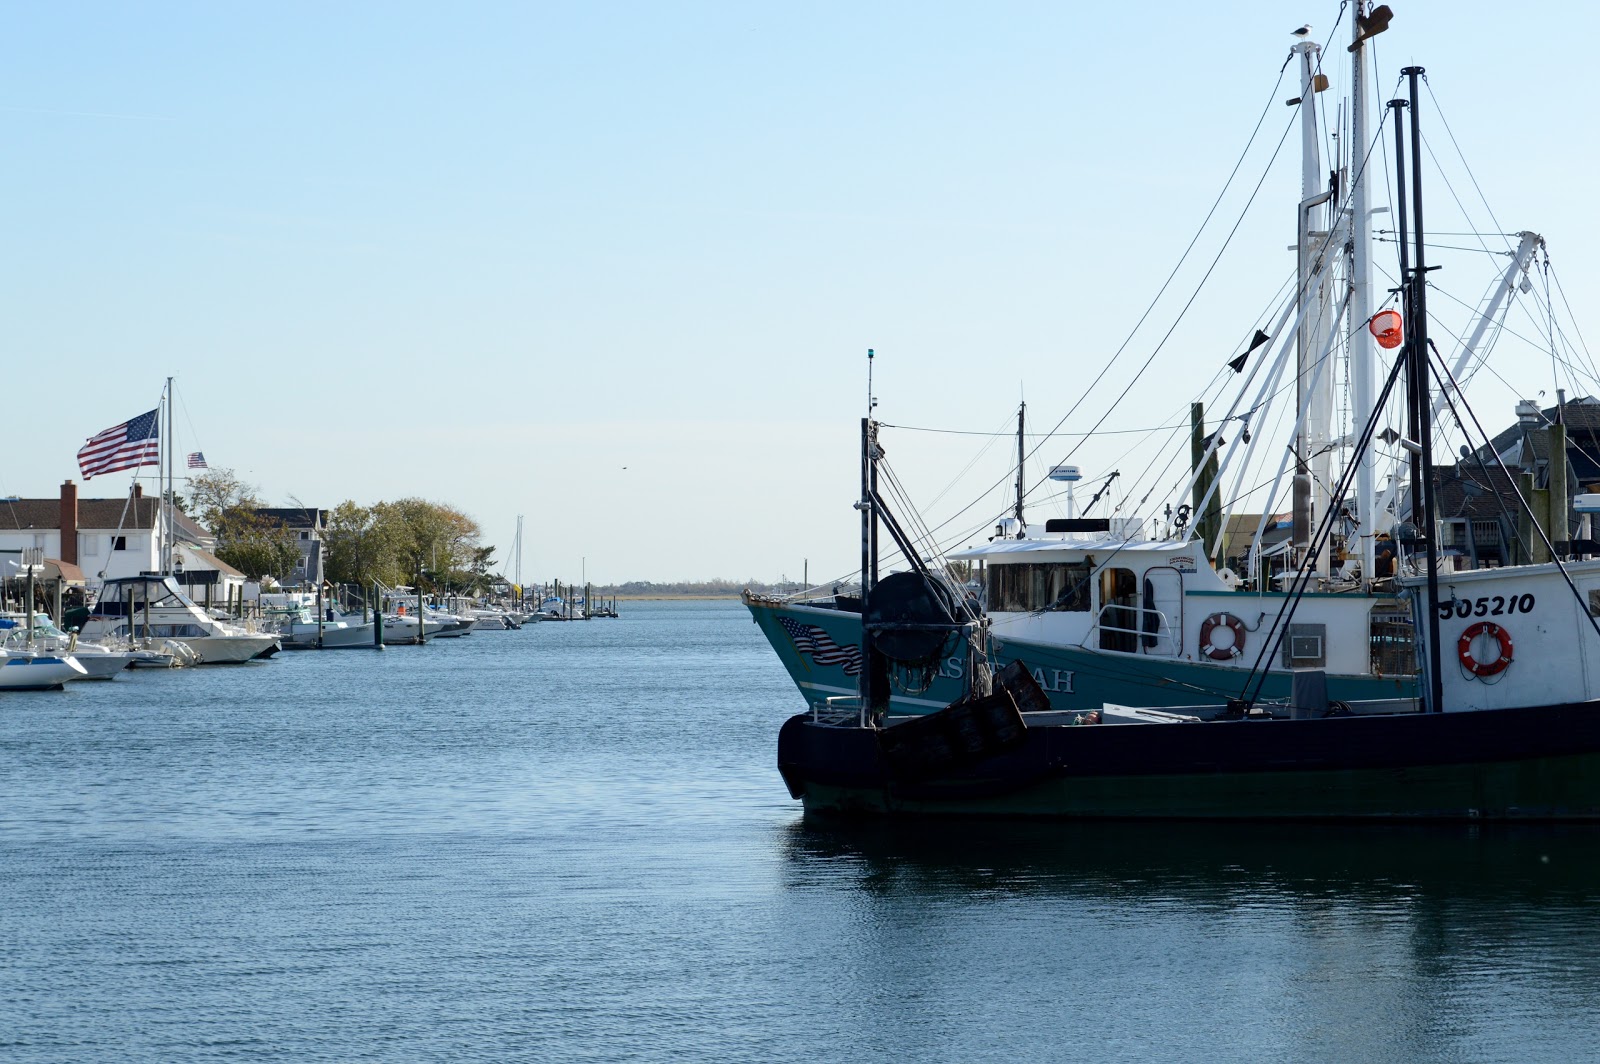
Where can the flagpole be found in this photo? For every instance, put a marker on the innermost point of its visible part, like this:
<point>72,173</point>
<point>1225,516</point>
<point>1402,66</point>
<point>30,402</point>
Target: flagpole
<point>166,563</point>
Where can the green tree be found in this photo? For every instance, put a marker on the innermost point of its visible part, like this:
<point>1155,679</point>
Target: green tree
<point>361,544</point>
<point>254,545</point>
<point>438,539</point>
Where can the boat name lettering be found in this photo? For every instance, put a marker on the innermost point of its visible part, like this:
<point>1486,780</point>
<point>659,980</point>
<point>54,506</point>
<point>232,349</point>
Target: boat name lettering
<point>1486,606</point>
<point>1183,565</point>
<point>952,669</point>
<point>1059,682</point>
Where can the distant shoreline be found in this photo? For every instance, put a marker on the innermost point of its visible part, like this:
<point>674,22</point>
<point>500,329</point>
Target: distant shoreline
<point>665,597</point>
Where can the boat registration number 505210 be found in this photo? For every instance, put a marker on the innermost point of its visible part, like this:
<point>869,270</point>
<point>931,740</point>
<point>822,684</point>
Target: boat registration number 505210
<point>1486,606</point>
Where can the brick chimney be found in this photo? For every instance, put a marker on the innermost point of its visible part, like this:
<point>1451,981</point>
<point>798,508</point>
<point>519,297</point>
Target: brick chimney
<point>138,490</point>
<point>69,522</point>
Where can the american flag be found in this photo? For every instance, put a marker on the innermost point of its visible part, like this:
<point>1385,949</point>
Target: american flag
<point>132,444</point>
<point>197,460</point>
<point>809,639</point>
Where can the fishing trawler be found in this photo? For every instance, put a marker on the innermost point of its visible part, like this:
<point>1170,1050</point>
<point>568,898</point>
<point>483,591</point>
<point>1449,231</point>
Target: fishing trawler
<point>1508,729</point>
<point>1168,611</point>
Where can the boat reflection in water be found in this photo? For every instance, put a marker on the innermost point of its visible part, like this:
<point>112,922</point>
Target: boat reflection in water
<point>1222,941</point>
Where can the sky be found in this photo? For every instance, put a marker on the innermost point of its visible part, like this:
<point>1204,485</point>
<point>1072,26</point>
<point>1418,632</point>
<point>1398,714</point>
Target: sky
<point>615,267</point>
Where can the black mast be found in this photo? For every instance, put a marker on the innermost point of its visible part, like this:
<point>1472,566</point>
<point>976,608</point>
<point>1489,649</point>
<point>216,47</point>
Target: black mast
<point>1414,281</point>
<point>1021,414</point>
<point>1420,363</point>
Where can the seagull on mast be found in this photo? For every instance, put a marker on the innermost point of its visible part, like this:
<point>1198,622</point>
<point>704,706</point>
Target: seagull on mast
<point>1303,32</point>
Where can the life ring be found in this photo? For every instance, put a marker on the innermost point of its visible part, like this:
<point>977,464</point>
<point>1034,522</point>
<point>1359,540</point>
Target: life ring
<point>1484,668</point>
<point>1216,651</point>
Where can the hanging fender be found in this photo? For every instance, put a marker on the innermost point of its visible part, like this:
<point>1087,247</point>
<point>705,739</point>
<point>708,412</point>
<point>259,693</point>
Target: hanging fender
<point>1494,666</point>
<point>1222,648</point>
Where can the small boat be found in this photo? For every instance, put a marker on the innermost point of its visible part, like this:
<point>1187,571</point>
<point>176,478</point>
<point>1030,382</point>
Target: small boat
<point>297,627</point>
<point>100,662</point>
<point>152,608</point>
<point>23,671</point>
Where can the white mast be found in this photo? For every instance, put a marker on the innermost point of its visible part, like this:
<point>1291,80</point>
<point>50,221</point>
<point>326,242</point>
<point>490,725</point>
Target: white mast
<point>1363,395</point>
<point>1314,466</point>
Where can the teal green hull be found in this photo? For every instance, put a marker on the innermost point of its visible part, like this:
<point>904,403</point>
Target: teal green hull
<point>1073,678</point>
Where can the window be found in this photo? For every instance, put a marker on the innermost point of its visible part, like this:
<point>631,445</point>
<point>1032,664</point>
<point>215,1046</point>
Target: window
<point>119,542</point>
<point>305,535</point>
<point>1393,642</point>
<point>1034,586</point>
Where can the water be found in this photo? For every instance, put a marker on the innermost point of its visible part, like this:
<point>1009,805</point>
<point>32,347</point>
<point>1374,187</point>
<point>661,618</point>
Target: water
<point>570,843</point>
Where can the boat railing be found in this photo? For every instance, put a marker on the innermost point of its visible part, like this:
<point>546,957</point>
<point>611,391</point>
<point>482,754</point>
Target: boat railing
<point>839,709</point>
<point>1162,628</point>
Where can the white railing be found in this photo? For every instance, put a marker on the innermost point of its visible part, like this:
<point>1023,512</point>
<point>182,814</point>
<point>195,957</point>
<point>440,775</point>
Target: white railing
<point>1164,628</point>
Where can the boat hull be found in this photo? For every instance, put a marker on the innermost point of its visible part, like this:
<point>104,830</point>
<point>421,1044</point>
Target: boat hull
<point>1538,763</point>
<point>103,666</point>
<point>38,673</point>
<point>827,665</point>
<point>230,649</point>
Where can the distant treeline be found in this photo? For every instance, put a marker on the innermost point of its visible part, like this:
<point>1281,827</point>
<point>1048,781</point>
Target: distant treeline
<point>702,588</point>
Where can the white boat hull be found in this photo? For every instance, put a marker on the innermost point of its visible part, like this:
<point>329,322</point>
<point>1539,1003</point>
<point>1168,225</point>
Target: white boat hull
<point>229,649</point>
<point>28,673</point>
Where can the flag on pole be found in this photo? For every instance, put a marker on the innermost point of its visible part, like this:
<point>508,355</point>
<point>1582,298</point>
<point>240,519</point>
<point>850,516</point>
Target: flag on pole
<point>132,444</point>
<point>197,460</point>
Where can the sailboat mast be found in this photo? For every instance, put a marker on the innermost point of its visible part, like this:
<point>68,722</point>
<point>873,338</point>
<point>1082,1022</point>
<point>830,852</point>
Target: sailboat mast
<point>1021,415</point>
<point>1362,370</point>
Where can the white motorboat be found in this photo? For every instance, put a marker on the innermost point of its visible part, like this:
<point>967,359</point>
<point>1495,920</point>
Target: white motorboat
<point>299,630</point>
<point>152,607</point>
<point>100,662</point>
<point>21,671</point>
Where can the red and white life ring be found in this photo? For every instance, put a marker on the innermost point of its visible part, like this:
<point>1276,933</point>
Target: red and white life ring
<point>1470,662</point>
<point>1222,647</point>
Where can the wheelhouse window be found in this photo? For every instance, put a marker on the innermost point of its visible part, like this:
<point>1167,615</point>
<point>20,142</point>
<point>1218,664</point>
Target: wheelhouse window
<point>1038,586</point>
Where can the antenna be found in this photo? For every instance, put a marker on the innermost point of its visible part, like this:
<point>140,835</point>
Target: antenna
<point>871,402</point>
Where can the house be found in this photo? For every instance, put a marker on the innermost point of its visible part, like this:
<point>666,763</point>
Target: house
<point>1481,521</point>
<point>307,523</point>
<point>110,538</point>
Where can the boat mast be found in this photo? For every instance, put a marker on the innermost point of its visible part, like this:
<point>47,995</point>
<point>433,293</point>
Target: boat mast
<point>1022,411</point>
<point>1362,368</point>
<point>869,543</point>
<point>1313,465</point>
<point>1424,409</point>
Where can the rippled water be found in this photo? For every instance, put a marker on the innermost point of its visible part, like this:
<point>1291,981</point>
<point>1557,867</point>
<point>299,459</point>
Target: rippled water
<point>571,843</point>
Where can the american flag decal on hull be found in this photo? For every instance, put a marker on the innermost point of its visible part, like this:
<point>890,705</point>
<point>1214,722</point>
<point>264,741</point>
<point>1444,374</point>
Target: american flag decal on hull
<point>809,639</point>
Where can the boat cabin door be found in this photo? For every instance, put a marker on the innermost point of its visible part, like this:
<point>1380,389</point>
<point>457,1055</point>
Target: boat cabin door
<point>1161,612</point>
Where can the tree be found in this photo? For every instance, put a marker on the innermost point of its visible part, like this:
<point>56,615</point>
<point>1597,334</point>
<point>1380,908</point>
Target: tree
<point>214,492</point>
<point>254,545</point>
<point>433,537</point>
<point>361,544</point>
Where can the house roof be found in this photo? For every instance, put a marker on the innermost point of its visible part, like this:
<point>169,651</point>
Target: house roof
<point>293,516</point>
<point>1518,446</point>
<point>1474,491</point>
<point>208,560</point>
<point>134,515</point>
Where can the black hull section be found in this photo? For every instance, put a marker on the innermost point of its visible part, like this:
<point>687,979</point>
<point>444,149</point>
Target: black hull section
<point>1538,763</point>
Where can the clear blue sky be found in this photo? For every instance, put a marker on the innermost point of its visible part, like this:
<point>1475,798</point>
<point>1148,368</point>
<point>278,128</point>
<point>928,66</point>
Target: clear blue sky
<point>615,267</point>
